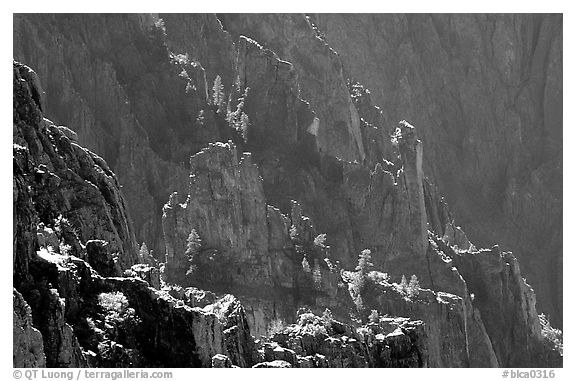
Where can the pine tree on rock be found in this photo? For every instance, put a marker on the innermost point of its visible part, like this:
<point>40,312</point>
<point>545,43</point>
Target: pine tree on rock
<point>144,252</point>
<point>317,275</point>
<point>403,283</point>
<point>414,286</point>
<point>306,265</point>
<point>218,93</point>
<point>193,244</point>
<point>365,262</point>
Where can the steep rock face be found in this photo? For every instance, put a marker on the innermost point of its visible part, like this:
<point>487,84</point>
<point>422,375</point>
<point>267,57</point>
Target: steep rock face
<point>202,37</point>
<point>70,185</point>
<point>225,206</point>
<point>454,332</point>
<point>28,346</point>
<point>170,333</point>
<point>508,306</point>
<point>285,140</point>
<point>237,254</point>
<point>320,73</point>
<point>229,199</point>
<point>58,185</point>
<point>499,60</point>
<point>70,223</point>
<point>293,165</point>
<point>488,89</point>
<point>411,156</point>
<point>282,132</point>
<point>144,110</point>
<point>236,330</point>
<point>245,245</point>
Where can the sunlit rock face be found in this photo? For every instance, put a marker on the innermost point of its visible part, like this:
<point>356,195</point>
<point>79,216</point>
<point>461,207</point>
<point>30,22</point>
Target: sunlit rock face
<point>245,152</point>
<point>72,243</point>
<point>245,246</point>
<point>486,94</point>
<point>145,111</point>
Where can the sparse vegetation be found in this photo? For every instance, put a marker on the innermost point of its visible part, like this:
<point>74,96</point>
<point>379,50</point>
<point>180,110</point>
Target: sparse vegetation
<point>244,123</point>
<point>143,253</point>
<point>119,319</point>
<point>65,249</point>
<point>307,318</point>
<point>330,265</point>
<point>182,59</point>
<point>193,244</point>
<point>365,262</point>
<point>238,119</point>
<point>113,302</point>
<point>293,232</point>
<point>312,324</point>
<point>403,284</point>
<point>218,93</point>
<point>374,317</point>
<point>379,277</point>
<point>200,119</point>
<point>306,265</point>
<point>275,326</point>
<point>552,334</point>
<point>317,275</point>
<point>360,277</point>
<point>357,286</point>
<point>413,287</point>
<point>327,315</point>
<point>363,332</point>
<point>159,24</point>
<point>319,240</point>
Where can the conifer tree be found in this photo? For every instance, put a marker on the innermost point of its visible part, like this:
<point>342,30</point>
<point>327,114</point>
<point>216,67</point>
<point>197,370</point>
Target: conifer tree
<point>317,275</point>
<point>403,283</point>
<point>193,244</point>
<point>365,262</point>
<point>306,265</point>
<point>218,93</point>
<point>374,317</point>
<point>414,286</point>
<point>244,121</point>
<point>143,253</point>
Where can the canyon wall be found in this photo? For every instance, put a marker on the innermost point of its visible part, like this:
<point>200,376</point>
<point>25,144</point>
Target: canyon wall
<point>303,149</point>
<point>486,92</point>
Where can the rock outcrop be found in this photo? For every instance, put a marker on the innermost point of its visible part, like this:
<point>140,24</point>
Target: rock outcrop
<point>129,99</point>
<point>507,304</point>
<point>322,342</point>
<point>320,74</point>
<point>245,246</point>
<point>72,243</point>
<point>28,347</point>
<point>488,89</point>
<point>308,179</point>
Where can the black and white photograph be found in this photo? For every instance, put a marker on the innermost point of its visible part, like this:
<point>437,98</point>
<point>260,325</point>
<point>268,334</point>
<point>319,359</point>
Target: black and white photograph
<point>286,190</point>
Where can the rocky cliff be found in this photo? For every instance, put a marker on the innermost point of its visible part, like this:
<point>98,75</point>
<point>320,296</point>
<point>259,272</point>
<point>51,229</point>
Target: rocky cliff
<point>311,175</point>
<point>72,245</point>
<point>481,314</point>
<point>128,99</point>
<point>487,93</point>
<point>79,299</point>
